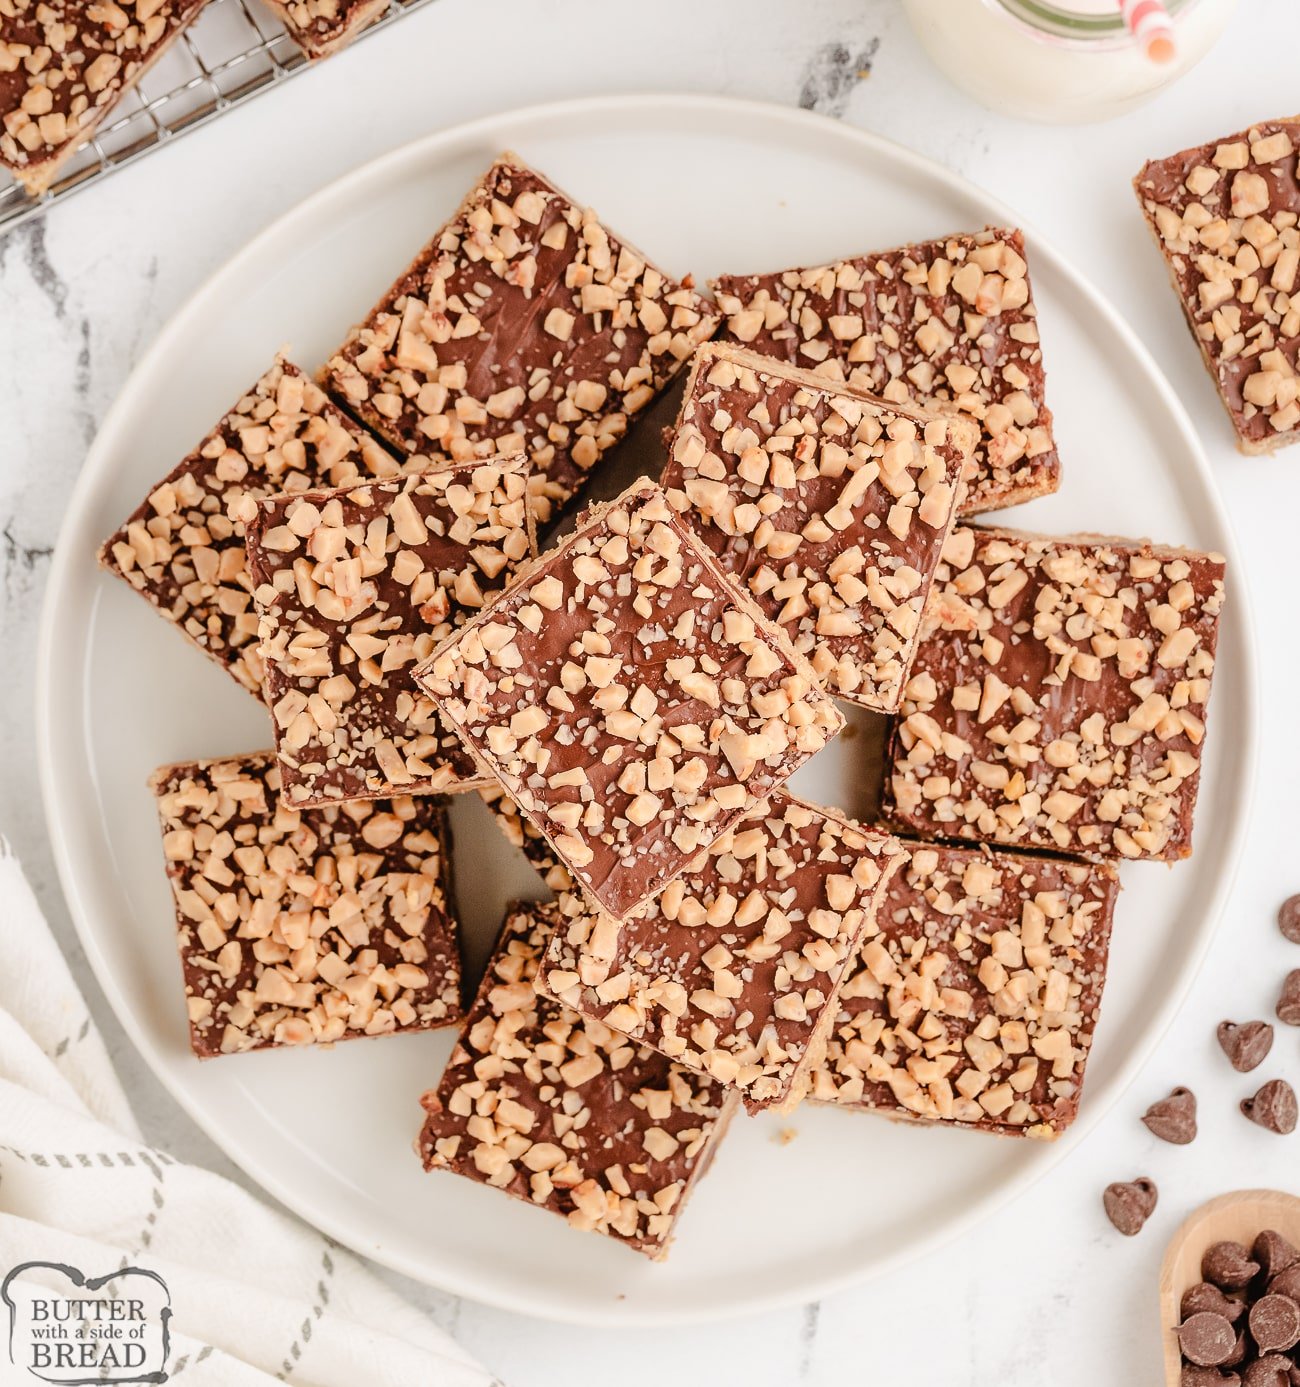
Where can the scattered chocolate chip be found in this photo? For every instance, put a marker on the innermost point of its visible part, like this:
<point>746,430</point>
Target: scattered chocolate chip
<point>1270,1371</point>
<point>1247,1044</point>
<point>1173,1119</point>
<point>1228,1265</point>
<point>1288,918</point>
<point>1205,1296</point>
<point>1288,1003</point>
<point>1273,1107</point>
<point>1207,1377</point>
<point>1273,1253</point>
<point>1206,1339</point>
<point>1129,1205</point>
<point>1275,1323</point>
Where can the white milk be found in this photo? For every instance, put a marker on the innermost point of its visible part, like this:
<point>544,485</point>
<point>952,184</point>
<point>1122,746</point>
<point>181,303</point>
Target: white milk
<point>1058,60</point>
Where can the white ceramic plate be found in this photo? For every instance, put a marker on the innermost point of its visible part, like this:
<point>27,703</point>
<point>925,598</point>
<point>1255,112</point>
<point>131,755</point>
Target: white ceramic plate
<point>705,185</point>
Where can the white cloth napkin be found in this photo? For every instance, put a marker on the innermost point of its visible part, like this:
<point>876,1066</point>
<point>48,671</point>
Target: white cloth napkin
<point>256,1296</point>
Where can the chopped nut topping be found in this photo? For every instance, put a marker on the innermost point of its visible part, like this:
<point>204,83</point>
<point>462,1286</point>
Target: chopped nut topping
<point>975,993</point>
<point>64,65</point>
<point>1059,694</point>
<point>830,507</point>
<point>528,838</point>
<point>305,928</point>
<point>356,586</point>
<point>1225,217</point>
<point>322,27</point>
<point>183,547</point>
<point>735,969</point>
<point>564,1113</point>
<point>524,327</point>
<point>949,322</point>
<point>632,701</point>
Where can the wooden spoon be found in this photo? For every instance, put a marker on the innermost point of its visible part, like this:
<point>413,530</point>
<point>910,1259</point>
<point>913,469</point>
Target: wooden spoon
<point>1238,1217</point>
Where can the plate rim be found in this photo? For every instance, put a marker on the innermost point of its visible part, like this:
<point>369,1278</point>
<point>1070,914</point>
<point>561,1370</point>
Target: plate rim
<point>61,584</point>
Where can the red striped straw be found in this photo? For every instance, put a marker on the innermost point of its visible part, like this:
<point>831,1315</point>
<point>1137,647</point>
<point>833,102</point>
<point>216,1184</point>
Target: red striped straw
<point>1149,22</point>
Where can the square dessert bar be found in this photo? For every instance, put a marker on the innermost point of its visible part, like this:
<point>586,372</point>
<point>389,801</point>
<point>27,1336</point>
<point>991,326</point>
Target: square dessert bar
<point>975,996</point>
<point>1225,218</point>
<point>950,321</point>
<point>355,587</point>
<point>566,1114</point>
<point>528,838</point>
<point>182,548</point>
<point>632,700</point>
<point>64,65</point>
<point>322,27</point>
<point>300,928</point>
<point>735,969</point>
<point>830,507</point>
<point>524,326</point>
<point>1059,694</point>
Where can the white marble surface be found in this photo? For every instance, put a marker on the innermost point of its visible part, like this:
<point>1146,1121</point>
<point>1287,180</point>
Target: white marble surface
<point>1047,1293</point>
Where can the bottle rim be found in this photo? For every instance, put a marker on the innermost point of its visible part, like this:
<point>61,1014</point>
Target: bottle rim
<point>1047,18</point>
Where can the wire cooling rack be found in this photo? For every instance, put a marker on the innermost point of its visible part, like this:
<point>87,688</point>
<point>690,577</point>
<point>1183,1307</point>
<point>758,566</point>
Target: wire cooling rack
<point>233,51</point>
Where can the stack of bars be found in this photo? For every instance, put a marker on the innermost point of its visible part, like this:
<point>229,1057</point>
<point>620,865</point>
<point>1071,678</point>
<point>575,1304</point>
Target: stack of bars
<point>360,550</point>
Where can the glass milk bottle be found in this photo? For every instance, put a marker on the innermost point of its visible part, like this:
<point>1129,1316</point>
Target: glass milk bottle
<point>1071,61</point>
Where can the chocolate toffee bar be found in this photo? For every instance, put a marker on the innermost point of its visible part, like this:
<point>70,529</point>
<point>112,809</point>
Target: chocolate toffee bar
<point>1225,218</point>
<point>322,27</point>
<point>735,969</point>
<point>632,700</point>
<point>975,995</point>
<point>566,1114</point>
<point>305,928</point>
<point>829,506</point>
<point>524,327</point>
<point>182,548</point>
<point>1059,693</point>
<point>64,65</point>
<point>528,838</point>
<point>356,586</point>
<point>949,322</point>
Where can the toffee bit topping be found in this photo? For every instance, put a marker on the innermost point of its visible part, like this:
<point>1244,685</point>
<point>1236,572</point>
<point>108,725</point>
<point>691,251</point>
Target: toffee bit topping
<point>304,928</point>
<point>735,969</point>
<point>356,586</point>
<point>563,1112</point>
<point>524,327</point>
<point>975,993</point>
<point>322,27</point>
<point>632,700</point>
<point>1225,217</point>
<point>64,65</point>
<point>1059,693</point>
<point>183,546</point>
<point>829,507</point>
<point>950,321</point>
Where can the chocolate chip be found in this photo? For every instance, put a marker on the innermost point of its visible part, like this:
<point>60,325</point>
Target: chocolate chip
<point>1247,1044</point>
<point>1207,1377</point>
<point>1173,1119</point>
<point>1270,1371</point>
<point>1206,1339</point>
<point>1275,1323</point>
<point>1288,1003</point>
<point>1228,1265</point>
<point>1129,1205</point>
<point>1287,1283</point>
<point>1273,1107</point>
<point>1288,918</point>
<point>1273,1253</point>
<point>1205,1296</point>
